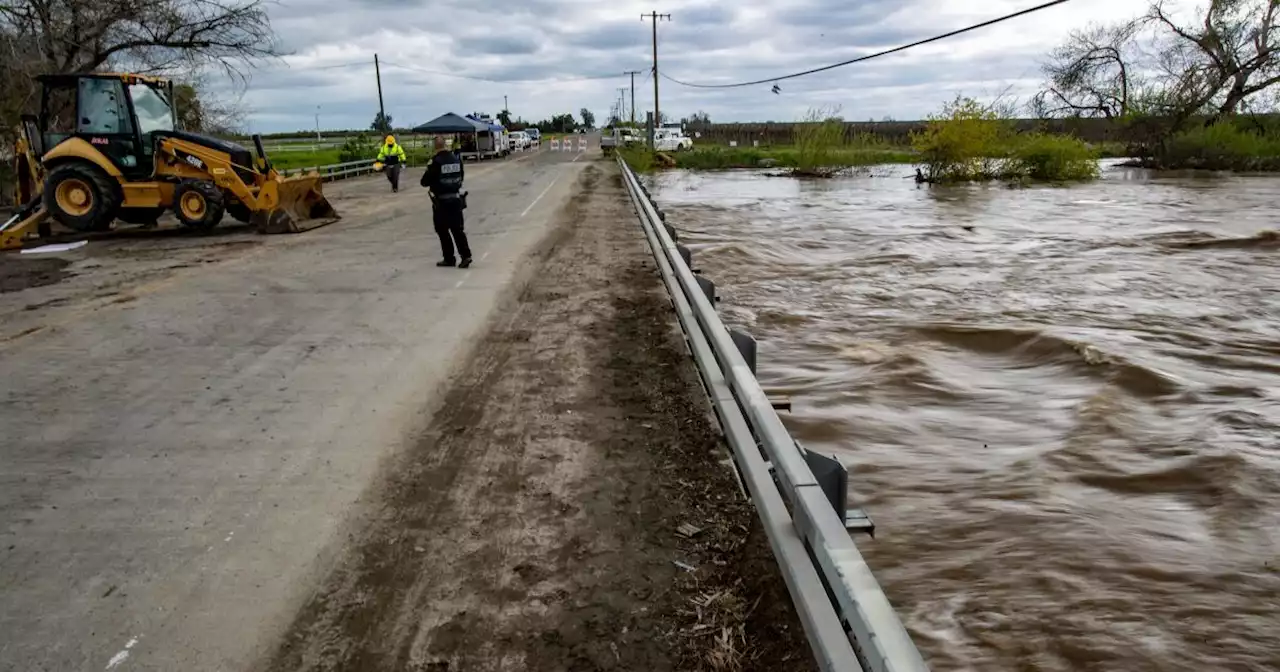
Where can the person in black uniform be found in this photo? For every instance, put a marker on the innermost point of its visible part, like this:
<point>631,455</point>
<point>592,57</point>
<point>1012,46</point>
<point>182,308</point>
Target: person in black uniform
<point>444,178</point>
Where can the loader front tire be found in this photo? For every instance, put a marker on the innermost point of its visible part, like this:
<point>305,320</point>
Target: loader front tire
<point>81,197</point>
<point>198,204</point>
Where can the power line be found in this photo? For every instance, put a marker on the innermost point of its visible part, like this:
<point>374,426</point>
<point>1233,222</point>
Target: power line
<point>616,75</point>
<point>860,59</point>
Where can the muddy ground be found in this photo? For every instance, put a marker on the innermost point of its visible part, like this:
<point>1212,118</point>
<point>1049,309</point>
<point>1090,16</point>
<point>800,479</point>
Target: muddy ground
<point>534,525</point>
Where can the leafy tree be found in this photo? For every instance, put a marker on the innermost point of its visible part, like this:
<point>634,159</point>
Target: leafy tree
<point>196,113</point>
<point>588,119</point>
<point>380,124</point>
<point>186,102</point>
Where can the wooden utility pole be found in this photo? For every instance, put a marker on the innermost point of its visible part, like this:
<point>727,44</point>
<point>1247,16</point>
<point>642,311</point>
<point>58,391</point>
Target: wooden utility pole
<point>655,18</point>
<point>633,74</point>
<point>377,71</point>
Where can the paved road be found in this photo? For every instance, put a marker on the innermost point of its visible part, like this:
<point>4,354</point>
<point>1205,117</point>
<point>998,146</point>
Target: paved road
<point>182,455</point>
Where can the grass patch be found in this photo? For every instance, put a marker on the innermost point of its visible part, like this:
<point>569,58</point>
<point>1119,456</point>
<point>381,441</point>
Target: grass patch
<point>638,157</point>
<point>821,149</point>
<point>324,157</point>
<point>724,158</point>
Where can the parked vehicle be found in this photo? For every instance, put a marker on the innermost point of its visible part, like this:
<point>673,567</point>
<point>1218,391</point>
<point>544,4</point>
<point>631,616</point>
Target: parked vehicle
<point>535,136</point>
<point>622,136</point>
<point>671,140</point>
<point>519,140</point>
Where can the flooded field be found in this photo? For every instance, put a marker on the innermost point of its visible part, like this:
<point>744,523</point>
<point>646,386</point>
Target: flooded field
<point>1060,405</point>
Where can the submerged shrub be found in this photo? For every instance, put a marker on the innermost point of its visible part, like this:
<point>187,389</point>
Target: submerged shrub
<point>970,141</point>
<point>1058,158</point>
<point>966,141</point>
<point>1225,145</point>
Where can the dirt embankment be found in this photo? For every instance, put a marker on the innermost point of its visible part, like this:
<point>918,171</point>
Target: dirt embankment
<point>536,525</point>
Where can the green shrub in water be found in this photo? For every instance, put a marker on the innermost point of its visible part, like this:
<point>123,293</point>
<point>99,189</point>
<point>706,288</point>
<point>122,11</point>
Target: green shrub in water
<point>1228,144</point>
<point>970,141</point>
<point>1056,158</point>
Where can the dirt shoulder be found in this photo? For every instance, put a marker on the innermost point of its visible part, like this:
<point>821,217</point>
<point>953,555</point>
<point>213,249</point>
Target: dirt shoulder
<point>535,525</point>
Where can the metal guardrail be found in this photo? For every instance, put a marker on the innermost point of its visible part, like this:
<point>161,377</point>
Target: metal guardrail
<point>335,171</point>
<point>848,620</point>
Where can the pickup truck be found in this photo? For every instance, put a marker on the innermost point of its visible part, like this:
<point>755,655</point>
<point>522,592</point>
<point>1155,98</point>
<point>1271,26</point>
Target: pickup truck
<point>671,140</point>
<point>619,137</point>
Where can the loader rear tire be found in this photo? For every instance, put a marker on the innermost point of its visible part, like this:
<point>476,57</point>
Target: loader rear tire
<point>198,204</point>
<point>81,197</point>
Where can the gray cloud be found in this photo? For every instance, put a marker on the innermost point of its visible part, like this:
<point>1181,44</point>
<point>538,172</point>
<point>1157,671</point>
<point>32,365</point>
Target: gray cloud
<point>550,42</point>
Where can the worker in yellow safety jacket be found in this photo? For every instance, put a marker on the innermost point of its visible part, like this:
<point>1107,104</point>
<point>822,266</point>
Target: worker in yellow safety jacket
<point>392,157</point>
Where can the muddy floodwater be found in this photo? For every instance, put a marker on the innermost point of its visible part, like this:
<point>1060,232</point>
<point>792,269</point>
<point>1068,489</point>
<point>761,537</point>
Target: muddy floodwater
<point>1061,406</point>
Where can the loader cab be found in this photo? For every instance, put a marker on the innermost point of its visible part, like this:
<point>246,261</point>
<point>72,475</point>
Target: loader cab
<point>118,114</point>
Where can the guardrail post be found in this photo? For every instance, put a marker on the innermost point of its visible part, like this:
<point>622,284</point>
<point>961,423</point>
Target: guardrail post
<point>708,288</point>
<point>746,347</point>
<point>671,231</point>
<point>833,478</point>
<point>686,254</point>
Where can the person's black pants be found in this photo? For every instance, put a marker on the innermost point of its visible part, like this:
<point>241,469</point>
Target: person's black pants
<point>447,215</point>
<point>393,175</point>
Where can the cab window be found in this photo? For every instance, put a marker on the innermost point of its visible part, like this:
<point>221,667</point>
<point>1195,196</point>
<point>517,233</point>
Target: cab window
<point>153,110</point>
<point>102,109</point>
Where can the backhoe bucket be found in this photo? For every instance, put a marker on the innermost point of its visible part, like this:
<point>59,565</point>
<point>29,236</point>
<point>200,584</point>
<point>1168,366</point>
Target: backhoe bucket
<point>302,207</point>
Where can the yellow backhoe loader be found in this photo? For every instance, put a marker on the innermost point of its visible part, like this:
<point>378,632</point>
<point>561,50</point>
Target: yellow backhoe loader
<point>106,146</point>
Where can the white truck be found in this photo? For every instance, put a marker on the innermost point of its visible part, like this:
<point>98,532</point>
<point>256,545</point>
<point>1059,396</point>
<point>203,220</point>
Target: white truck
<point>671,140</point>
<point>619,137</point>
<point>520,140</point>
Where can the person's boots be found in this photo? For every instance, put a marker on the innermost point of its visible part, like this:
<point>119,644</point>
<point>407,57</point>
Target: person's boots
<point>466,263</point>
<point>450,262</point>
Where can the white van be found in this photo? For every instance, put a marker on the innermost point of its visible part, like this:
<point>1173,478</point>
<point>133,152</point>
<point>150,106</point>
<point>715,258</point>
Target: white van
<point>519,140</point>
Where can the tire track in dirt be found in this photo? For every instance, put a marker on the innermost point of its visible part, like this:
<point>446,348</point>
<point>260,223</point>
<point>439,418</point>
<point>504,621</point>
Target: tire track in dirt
<point>533,526</point>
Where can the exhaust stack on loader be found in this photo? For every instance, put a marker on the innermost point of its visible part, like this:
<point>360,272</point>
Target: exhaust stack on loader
<point>121,156</point>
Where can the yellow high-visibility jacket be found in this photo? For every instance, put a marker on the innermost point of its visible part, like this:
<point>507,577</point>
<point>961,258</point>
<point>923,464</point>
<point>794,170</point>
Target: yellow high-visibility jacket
<point>395,151</point>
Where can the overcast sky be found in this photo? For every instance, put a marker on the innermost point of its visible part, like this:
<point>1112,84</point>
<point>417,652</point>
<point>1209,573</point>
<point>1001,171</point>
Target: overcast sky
<point>706,41</point>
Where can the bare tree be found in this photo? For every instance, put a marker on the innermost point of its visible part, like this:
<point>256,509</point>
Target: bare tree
<point>144,35</point>
<point>1091,75</point>
<point>150,36</point>
<point>1229,56</point>
<point>1167,71</point>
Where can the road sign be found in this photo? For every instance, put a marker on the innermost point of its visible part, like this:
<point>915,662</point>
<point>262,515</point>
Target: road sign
<point>555,144</point>
<point>582,144</point>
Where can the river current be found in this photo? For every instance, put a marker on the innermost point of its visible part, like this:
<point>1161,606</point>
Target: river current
<point>1059,404</point>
